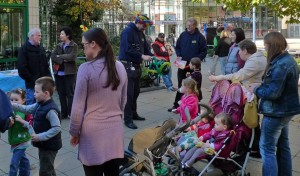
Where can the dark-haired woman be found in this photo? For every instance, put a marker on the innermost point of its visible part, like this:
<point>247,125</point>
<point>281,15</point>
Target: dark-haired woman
<point>63,57</point>
<point>234,62</point>
<point>279,102</point>
<point>100,96</point>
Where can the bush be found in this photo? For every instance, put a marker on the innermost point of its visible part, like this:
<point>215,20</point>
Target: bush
<point>115,44</point>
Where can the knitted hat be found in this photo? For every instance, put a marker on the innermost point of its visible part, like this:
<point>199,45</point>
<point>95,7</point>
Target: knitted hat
<point>143,19</point>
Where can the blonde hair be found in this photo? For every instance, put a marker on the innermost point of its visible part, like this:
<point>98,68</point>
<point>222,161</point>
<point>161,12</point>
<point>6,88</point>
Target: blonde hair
<point>224,34</point>
<point>191,84</point>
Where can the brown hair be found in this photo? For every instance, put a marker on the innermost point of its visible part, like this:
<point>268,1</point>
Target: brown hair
<point>209,117</point>
<point>240,34</point>
<point>196,61</point>
<point>47,84</point>
<point>248,45</point>
<point>219,29</point>
<point>99,36</point>
<point>192,84</point>
<point>225,119</point>
<point>276,44</point>
<point>18,91</point>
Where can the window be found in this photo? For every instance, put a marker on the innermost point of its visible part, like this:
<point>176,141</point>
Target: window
<point>11,29</point>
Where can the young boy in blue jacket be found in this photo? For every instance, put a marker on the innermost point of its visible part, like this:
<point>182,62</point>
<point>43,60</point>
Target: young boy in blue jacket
<point>46,124</point>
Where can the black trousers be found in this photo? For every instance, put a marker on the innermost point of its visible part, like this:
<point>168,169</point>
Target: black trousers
<point>47,158</point>
<point>65,89</point>
<point>133,91</point>
<point>181,75</point>
<point>109,168</point>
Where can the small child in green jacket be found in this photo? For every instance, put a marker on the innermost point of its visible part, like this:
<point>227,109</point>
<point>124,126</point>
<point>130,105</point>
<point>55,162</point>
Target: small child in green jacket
<point>18,138</point>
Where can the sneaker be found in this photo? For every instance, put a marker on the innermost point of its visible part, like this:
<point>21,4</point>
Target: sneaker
<point>170,109</point>
<point>173,89</point>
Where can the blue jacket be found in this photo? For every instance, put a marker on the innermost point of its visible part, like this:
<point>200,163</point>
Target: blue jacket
<point>191,45</point>
<point>232,64</point>
<point>279,91</point>
<point>133,45</point>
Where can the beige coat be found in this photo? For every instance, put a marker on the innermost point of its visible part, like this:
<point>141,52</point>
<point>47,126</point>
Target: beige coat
<point>252,72</point>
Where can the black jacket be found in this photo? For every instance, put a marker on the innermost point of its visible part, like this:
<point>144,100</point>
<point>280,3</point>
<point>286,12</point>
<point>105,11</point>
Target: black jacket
<point>223,46</point>
<point>41,124</point>
<point>32,63</point>
<point>133,45</point>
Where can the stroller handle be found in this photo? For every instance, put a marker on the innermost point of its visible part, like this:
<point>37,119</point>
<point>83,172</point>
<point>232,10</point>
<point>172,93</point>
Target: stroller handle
<point>207,111</point>
<point>188,122</point>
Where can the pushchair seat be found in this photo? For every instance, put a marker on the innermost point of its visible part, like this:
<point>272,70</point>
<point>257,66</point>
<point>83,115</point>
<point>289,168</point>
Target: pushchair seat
<point>234,153</point>
<point>147,137</point>
<point>218,93</point>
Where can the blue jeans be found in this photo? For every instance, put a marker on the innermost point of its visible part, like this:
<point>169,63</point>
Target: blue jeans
<point>19,162</point>
<point>167,79</point>
<point>30,96</point>
<point>275,133</point>
<point>223,61</point>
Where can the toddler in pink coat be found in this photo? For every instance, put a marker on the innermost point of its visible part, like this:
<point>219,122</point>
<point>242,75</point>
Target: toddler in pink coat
<point>188,100</point>
<point>211,141</point>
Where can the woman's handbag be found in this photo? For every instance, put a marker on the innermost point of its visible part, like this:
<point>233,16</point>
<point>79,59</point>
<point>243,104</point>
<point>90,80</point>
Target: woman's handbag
<point>250,113</point>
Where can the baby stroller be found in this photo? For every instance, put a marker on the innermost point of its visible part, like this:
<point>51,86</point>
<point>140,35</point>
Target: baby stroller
<point>234,154</point>
<point>148,147</point>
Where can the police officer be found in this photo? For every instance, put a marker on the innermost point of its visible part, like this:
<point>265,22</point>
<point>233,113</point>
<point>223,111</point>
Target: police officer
<point>133,50</point>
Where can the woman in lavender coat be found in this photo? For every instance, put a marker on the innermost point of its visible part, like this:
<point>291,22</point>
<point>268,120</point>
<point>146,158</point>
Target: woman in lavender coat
<point>100,97</point>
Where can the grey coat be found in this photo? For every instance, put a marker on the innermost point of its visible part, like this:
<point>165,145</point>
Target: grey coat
<point>68,57</point>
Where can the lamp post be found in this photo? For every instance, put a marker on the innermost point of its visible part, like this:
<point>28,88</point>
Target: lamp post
<point>253,24</point>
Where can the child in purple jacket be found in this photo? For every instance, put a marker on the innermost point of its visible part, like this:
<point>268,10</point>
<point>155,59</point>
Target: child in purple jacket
<point>213,140</point>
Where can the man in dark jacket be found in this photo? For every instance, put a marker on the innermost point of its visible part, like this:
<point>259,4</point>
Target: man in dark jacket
<point>133,50</point>
<point>191,43</point>
<point>32,63</point>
